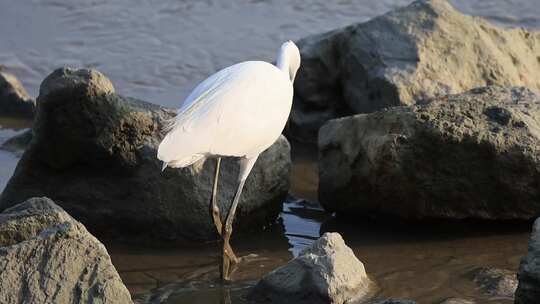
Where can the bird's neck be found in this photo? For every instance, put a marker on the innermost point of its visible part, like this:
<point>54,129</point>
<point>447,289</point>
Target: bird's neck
<point>283,62</point>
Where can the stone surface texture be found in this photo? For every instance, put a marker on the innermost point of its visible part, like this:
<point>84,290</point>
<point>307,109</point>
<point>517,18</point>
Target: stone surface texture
<point>48,257</point>
<point>469,155</point>
<point>326,272</point>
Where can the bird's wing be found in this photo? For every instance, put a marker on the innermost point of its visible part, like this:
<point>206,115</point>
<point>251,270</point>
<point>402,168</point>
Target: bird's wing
<point>200,101</point>
<point>192,131</point>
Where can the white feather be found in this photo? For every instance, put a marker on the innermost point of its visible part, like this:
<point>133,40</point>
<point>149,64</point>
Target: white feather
<point>239,111</point>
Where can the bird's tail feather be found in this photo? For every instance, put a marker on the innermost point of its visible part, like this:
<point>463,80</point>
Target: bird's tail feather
<point>185,162</point>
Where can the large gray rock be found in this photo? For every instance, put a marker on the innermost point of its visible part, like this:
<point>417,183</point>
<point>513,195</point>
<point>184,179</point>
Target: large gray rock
<point>14,100</point>
<point>528,290</point>
<point>424,50</point>
<point>48,257</point>
<point>326,272</point>
<point>94,153</point>
<point>470,155</point>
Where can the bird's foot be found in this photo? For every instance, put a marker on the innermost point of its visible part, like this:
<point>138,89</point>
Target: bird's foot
<point>248,258</point>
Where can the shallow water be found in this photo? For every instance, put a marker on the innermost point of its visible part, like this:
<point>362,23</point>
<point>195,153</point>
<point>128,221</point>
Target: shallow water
<point>158,50</point>
<point>425,262</point>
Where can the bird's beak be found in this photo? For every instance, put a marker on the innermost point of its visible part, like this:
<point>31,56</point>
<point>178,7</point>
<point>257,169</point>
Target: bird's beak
<point>164,166</point>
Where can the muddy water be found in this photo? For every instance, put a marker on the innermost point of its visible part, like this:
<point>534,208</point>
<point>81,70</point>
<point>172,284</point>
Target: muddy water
<point>424,262</point>
<point>158,50</point>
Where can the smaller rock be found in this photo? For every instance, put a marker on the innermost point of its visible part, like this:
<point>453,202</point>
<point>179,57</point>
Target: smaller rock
<point>14,100</point>
<point>457,301</point>
<point>528,290</point>
<point>496,282</point>
<point>326,272</point>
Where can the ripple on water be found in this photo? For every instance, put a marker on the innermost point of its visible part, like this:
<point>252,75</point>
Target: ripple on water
<point>158,50</point>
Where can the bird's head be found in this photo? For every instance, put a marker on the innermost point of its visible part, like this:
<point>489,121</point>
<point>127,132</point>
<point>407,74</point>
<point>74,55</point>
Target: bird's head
<point>289,58</point>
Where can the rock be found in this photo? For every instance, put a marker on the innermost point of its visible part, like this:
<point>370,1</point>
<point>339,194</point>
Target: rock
<point>94,153</point>
<point>457,301</point>
<point>426,49</point>
<point>14,100</point>
<point>469,155</point>
<point>528,290</point>
<point>18,142</point>
<point>48,257</point>
<point>496,282</point>
<point>326,272</point>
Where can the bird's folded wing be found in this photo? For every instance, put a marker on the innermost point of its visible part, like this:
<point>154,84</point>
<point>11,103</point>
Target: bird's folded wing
<point>199,102</point>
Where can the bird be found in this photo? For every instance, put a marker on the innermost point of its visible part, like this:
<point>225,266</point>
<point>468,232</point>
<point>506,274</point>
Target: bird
<point>238,112</point>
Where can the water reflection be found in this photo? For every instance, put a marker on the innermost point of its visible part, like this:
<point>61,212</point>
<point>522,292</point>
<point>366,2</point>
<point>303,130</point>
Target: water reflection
<point>302,223</point>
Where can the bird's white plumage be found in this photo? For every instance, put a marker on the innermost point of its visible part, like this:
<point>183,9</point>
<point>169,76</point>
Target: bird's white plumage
<point>239,111</point>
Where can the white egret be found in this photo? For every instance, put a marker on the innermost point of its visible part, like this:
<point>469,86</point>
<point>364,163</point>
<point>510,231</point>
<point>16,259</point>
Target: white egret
<point>239,111</point>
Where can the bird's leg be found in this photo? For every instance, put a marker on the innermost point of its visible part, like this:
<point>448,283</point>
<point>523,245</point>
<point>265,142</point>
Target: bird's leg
<point>245,167</point>
<point>215,209</point>
<point>216,216</point>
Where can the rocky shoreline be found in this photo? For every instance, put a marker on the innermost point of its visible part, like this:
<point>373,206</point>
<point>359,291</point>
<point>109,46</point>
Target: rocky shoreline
<point>423,113</point>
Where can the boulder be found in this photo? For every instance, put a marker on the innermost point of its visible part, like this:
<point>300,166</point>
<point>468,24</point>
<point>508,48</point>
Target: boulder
<point>500,283</point>
<point>94,153</point>
<point>326,272</point>
<point>14,100</point>
<point>426,49</point>
<point>528,290</point>
<point>469,155</point>
<point>48,257</point>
